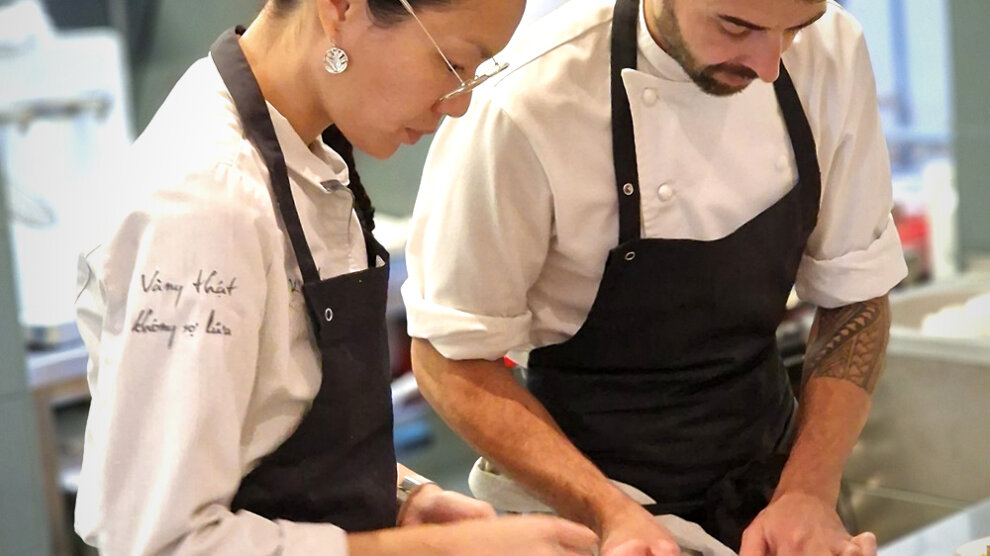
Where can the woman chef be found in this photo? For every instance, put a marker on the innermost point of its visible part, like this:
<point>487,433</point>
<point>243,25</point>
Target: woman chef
<point>235,318</point>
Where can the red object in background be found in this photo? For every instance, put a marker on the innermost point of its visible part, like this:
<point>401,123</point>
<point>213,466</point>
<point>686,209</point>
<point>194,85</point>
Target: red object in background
<point>913,231</point>
<point>912,227</point>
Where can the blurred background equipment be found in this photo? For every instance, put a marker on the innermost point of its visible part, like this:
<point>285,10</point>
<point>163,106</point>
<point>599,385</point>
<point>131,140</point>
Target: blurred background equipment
<point>61,134</point>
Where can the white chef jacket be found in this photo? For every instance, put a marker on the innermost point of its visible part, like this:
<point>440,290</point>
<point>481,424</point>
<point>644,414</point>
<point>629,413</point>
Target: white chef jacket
<point>201,356</point>
<point>517,209</point>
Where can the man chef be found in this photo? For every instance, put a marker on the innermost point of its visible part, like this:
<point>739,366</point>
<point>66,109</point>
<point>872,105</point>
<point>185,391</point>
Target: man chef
<point>625,213</point>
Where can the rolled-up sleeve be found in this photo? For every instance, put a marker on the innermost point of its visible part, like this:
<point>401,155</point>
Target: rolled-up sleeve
<point>854,253</point>
<point>854,276</point>
<point>479,238</point>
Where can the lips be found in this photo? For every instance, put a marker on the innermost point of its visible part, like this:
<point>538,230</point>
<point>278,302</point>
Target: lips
<point>735,80</point>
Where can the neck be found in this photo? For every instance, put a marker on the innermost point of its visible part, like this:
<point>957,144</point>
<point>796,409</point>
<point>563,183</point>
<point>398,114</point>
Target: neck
<point>281,54</point>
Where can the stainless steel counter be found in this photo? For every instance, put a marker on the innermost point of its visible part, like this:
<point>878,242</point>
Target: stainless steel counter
<point>943,537</point>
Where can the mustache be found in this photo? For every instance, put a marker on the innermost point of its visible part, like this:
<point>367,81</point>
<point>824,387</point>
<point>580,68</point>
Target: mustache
<point>733,69</point>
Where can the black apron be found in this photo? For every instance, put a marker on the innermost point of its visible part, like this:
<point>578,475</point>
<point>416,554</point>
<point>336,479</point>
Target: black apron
<point>339,465</point>
<point>674,383</point>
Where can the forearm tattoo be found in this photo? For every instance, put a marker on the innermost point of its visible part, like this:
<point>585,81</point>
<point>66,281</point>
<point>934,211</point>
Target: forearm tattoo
<point>849,343</point>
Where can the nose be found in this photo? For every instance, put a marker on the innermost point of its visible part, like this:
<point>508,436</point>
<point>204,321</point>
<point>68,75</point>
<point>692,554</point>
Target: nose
<point>765,56</point>
<point>454,107</point>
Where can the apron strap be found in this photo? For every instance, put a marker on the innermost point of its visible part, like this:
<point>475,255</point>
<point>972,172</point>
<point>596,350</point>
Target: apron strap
<point>624,53</point>
<point>802,138</point>
<point>258,127</point>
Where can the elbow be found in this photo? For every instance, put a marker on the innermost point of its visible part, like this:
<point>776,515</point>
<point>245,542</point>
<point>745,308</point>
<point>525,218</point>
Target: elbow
<point>427,367</point>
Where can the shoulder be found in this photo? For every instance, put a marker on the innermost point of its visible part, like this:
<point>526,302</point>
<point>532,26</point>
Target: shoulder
<point>557,65</point>
<point>197,125</point>
<point>194,156</point>
<point>831,52</point>
<point>192,178</point>
<point>567,48</point>
<point>832,73</point>
<point>570,23</point>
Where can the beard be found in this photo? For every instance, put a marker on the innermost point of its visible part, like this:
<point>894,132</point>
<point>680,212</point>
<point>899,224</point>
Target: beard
<point>705,77</point>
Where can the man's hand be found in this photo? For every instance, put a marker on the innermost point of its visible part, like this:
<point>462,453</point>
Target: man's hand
<point>798,524</point>
<point>431,504</point>
<point>634,532</point>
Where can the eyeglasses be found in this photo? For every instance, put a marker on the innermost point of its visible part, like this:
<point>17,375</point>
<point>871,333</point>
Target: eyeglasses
<point>466,86</point>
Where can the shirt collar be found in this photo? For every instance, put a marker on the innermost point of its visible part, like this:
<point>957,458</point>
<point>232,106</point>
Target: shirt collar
<point>316,162</point>
<point>661,64</point>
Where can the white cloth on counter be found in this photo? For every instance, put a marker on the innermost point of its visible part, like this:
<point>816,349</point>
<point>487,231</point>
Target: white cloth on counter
<point>201,356</point>
<point>489,484</point>
<point>964,320</point>
<point>517,209</point>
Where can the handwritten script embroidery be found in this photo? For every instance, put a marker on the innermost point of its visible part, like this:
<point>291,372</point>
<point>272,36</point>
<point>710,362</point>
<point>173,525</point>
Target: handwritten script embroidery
<point>155,284</point>
<point>208,284</point>
<point>147,323</point>
<point>213,286</point>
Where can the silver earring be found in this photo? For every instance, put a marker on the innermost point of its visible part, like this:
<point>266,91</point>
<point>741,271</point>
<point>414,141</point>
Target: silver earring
<point>335,60</point>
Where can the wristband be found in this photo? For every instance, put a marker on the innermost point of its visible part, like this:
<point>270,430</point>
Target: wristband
<point>406,487</point>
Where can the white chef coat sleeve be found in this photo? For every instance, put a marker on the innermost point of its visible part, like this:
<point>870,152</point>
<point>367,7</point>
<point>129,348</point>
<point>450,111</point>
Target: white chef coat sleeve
<point>854,253</point>
<point>479,237</point>
<point>184,283</point>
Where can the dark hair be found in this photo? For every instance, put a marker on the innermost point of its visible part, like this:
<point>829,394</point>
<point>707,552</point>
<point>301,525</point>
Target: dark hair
<point>384,13</point>
<point>365,210</point>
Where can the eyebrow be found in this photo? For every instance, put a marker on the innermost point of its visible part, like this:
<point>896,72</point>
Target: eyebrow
<point>755,27</point>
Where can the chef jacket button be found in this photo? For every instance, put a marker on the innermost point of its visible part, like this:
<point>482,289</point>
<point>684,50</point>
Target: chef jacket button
<point>630,255</point>
<point>665,192</point>
<point>328,314</point>
<point>628,189</point>
<point>650,97</point>
<point>783,162</point>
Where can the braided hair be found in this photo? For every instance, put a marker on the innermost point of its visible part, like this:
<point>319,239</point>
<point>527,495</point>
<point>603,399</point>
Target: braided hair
<point>383,12</point>
<point>365,210</point>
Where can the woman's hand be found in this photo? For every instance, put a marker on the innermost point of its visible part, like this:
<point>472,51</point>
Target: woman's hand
<point>431,504</point>
<point>529,535</point>
<point>532,535</point>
